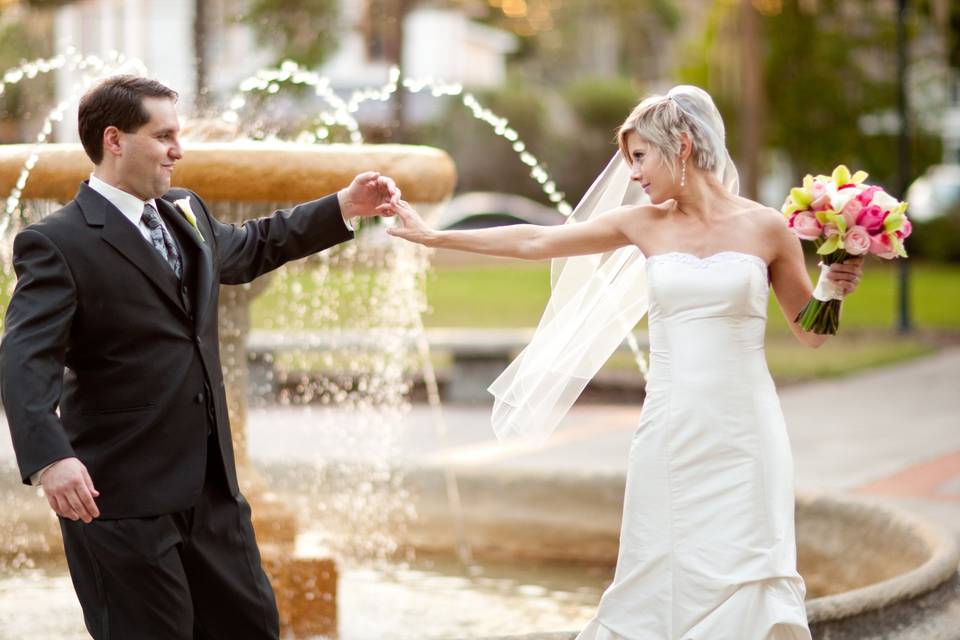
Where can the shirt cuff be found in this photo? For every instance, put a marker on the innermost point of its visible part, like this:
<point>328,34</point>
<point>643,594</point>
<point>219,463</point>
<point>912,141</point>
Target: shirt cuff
<point>36,478</point>
<point>348,224</point>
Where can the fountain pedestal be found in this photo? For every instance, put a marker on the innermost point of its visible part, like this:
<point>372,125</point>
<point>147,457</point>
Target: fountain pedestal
<point>305,588</point>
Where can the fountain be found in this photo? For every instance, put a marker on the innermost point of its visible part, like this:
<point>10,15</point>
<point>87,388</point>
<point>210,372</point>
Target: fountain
<point>867,568</point>
<point>231,177</point>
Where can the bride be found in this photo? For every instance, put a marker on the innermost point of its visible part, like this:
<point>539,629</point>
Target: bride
<point>707,546</point>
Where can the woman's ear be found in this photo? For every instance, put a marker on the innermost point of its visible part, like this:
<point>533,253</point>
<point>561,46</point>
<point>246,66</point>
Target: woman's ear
<point>686,146</point>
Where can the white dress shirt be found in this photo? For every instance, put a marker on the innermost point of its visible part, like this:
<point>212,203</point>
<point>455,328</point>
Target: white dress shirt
<point>129,205</point>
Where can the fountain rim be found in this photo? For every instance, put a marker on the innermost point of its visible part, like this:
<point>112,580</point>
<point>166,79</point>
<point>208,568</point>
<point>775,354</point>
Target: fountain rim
<point>940,552</point>
<point>247,171</point>
<point>940,566</point>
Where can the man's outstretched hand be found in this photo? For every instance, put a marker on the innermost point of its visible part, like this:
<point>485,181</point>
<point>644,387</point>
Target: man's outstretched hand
<point>70,491</point>
<point>368,191</point>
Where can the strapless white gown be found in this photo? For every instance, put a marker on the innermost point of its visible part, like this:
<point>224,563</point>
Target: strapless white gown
<point>707,547</point>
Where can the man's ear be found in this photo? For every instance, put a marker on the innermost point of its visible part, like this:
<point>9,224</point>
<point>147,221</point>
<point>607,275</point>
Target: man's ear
<point>111,141</point>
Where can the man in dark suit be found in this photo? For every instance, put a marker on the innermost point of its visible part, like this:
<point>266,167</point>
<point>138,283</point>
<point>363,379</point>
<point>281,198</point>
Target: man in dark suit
<point>114,322</point>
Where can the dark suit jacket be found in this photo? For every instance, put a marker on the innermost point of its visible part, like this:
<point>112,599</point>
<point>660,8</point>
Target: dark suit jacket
<point>142,385</point>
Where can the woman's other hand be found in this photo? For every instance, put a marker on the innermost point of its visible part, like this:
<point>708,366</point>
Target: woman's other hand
<point>847,274</point>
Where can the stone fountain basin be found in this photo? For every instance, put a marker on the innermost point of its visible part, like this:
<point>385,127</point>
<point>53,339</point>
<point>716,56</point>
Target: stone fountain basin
<point>857,555</point>
<point>871,571</point>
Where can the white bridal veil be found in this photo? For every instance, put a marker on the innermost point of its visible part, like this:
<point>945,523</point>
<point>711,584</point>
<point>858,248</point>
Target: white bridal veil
<point>596,300</point>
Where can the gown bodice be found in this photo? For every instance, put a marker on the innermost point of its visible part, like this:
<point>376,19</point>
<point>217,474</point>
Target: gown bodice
<point>707,318</point>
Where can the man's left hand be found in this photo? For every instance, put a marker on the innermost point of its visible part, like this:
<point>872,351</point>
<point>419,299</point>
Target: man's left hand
<point>368,191</point>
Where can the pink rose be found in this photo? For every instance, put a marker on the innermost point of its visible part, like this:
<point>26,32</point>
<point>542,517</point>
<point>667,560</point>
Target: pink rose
<point>880,246</point>
<point>907,228</point>
<point>867,195</point>
<point>872,217</point>
<point>856,241</point>
<point>806,225</point>
<point>818,189</point>
<point>851,210</point>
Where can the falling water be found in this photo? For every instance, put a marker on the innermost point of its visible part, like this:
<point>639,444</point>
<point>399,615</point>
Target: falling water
<point>354,313</point>
<point>341,113</point>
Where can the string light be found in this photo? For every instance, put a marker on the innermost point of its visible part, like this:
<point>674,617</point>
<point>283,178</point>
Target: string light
<point>341,112</point>
<point>269,80</point>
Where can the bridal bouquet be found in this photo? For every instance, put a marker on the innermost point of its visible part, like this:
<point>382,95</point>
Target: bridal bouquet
<point>843,217</point>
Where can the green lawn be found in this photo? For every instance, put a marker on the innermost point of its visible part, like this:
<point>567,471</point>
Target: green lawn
<point>790,361</point>
<point>514,296</point>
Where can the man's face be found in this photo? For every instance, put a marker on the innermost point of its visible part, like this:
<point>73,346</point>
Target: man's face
<point>147,155</point>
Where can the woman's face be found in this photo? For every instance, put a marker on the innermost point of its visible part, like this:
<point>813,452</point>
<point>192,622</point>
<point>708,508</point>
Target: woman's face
<point>648,168</point>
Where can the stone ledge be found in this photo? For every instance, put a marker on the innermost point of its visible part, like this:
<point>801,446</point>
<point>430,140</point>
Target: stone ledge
<point>249,171</point>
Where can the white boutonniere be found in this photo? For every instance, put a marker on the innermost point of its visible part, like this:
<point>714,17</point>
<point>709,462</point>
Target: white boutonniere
<point>183,204</point>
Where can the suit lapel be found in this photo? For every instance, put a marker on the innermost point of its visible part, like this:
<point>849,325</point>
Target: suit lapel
<point>204,262</point>
<point>126,239</point>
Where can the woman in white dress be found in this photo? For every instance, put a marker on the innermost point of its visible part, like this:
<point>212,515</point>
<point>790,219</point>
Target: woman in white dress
<point>707,547</point>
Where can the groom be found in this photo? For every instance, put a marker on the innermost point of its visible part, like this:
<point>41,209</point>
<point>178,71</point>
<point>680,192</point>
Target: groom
<point>114,322</point>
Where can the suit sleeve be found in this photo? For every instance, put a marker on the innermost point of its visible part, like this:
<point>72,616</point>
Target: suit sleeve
<point>33,351</point>
<point>261,245</point>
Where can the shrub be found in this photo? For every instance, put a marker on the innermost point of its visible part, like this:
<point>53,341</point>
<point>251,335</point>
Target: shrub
<point>602,103</point>
<point>937,239</point>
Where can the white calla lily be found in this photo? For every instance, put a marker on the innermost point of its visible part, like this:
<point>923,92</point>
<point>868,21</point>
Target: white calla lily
<point>183,205</point>
<point>885,201</point>
<point>840,197</point>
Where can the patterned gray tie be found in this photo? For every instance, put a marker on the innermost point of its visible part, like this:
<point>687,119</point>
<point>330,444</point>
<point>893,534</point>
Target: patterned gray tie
<point>161,238</point>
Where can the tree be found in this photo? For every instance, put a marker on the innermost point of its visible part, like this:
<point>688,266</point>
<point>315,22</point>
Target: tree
<point>24,35</point>
<point>825,72</point>
<point>305,31</point>
<point>574,39</point>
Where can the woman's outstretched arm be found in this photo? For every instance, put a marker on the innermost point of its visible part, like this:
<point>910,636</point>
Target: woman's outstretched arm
<point>791,283</point>
<point>526,241</point>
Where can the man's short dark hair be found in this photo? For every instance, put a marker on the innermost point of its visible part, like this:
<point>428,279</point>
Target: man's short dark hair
<point>116,101</point>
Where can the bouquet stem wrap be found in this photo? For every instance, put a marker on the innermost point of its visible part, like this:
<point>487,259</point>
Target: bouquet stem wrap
<point>821,315</point>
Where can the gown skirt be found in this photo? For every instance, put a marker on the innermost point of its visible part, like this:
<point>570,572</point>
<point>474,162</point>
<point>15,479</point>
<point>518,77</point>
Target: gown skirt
<point>707,544</point>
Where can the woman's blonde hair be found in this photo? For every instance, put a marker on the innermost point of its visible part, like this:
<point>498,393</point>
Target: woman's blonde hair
<point>661,120</point>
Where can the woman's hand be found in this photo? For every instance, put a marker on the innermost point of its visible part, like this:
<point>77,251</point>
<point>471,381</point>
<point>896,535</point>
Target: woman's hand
<point>847,274</point>
<point>409,225</point>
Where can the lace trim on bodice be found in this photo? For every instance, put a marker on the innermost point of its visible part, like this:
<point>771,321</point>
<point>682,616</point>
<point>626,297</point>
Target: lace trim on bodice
<point>703,263</point>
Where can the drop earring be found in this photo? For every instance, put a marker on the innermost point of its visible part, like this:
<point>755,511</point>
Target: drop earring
<point>683,175</point>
